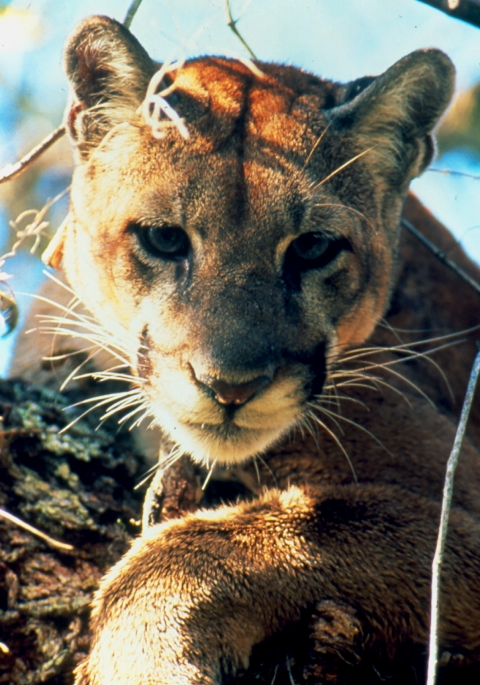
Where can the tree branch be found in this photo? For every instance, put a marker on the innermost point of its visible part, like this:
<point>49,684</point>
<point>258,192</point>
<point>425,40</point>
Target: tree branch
<point>442,530</point>
<point>232,24</point>
<point>11,171</point>
<point>465,10</point>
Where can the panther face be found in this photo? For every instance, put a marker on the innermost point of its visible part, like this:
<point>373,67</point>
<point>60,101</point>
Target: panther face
<point>237,253</point>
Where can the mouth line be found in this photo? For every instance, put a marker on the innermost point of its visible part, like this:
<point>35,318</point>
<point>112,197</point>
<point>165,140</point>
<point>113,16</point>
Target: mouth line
<point>229,431</point>
<point>227,425</point>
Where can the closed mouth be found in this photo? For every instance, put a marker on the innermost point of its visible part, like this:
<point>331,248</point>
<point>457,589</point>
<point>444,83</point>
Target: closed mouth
<point>227,429</point>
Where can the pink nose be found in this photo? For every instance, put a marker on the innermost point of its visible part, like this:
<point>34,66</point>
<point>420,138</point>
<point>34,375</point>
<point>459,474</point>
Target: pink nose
<point>228,393</point>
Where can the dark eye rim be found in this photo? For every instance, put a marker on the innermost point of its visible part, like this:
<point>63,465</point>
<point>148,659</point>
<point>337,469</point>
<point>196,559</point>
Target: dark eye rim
<point>175,252</point>
<point>335,245</point>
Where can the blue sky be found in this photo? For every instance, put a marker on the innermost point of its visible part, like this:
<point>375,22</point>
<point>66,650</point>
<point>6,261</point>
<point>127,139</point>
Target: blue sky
<point>341,40</point>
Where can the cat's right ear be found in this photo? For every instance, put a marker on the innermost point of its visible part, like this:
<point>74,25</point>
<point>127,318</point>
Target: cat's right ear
<point>109,72</point>
<point>392,118</point>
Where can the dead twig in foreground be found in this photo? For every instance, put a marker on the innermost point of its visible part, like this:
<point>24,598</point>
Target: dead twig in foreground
<point>35,531</point>
<point>445,511</point>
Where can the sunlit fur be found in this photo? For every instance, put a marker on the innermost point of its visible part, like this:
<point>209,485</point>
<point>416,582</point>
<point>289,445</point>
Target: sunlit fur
<point>252,138</point>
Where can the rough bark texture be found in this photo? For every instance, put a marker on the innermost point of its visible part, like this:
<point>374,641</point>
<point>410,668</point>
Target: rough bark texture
<point>78,488</point>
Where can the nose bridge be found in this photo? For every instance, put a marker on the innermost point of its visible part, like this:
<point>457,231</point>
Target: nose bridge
<point>239,326</point>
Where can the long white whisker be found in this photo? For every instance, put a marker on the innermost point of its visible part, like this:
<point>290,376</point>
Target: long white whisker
<point>209,474</point>
<point>260,458</point>
<point>378,383</point>
<point>123,404</point>
<point>98,340</point>
<point>341,167</point>
<point>163,464</point>
<point>408,355</point>
<point>68,355</point>
<point>104,399</point>
<point>357,425</point>
<point>326,399</point>
<point>331,415</point>
<point>336,439</point>
<point>142,407</point>
<point>387,366</point>
<point>73,373</point>
<point>92,339</point>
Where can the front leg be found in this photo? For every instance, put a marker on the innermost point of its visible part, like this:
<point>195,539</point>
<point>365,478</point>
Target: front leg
<point>193,596</point>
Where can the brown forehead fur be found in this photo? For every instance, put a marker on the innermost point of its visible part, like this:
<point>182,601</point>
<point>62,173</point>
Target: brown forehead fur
<point>221,99</point>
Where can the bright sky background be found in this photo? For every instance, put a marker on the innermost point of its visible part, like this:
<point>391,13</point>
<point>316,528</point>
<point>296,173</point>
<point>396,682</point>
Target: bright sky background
<point>337,39</point>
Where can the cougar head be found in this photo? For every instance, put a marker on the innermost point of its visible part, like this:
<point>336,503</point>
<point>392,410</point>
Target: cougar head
<point>237,226</point>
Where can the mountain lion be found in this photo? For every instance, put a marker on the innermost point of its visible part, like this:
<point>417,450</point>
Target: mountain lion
<point>235,229</point>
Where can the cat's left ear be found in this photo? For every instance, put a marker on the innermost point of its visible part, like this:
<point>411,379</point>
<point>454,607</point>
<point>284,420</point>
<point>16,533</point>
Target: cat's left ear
<point>394,116</point>
<point>109,72</point>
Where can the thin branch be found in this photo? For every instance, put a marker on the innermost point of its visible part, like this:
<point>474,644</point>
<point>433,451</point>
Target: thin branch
<point>35,228</point>
<point>131,12</point>
<point>445,511</point>
<point>453,172</point>
<point>465,10</point>
<point>439,254</point>
<point>26,526</point>
<point>11,171</point>
<point>232,23</point>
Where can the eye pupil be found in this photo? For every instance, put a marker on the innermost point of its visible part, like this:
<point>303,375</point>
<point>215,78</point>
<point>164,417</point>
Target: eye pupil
<point>166,239</point>
<point>170,242</point>
<point>309,252</point>
<point>311,246</point>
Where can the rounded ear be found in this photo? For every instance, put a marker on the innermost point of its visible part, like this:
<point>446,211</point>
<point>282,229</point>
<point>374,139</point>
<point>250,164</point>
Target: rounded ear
<point>109,72</point>
<point>394,116</point>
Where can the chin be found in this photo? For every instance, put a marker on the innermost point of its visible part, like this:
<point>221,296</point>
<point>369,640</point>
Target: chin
<point>225,443</point>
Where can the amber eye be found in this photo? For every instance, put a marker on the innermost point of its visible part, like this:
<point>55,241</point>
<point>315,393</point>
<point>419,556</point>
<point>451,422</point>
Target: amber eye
<point>169,242</point>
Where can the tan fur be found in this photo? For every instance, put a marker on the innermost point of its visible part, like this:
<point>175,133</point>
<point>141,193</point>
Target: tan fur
<point>272,159</point>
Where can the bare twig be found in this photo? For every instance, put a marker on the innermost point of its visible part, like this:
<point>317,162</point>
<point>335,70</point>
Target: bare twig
<point>439,254</point>
<point>34,228</point>
<point>232,23</point>
<point>131,12</point>
<point>442,530</point>
<point>11,171</point>
<point>453,172</point>
<point>465,10</point>
<point>26,526</point>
